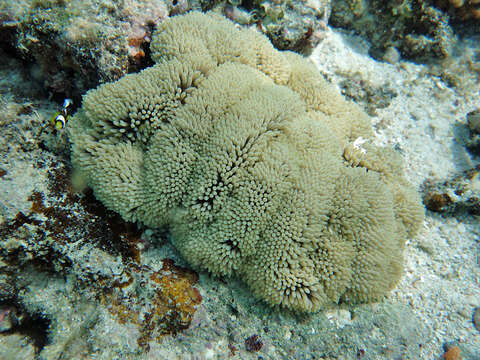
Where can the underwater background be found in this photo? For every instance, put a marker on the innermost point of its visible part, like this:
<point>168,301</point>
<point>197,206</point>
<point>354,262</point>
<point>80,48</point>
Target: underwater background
<point>79,282</point>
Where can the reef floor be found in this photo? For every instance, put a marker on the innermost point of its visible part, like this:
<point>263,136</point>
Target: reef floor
<point>78,283</point>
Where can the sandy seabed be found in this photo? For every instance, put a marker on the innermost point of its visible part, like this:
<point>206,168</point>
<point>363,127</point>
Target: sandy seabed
<point>425,121</point>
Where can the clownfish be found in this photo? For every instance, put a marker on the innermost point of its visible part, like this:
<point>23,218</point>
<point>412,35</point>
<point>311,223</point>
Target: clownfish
<point>60,118</point>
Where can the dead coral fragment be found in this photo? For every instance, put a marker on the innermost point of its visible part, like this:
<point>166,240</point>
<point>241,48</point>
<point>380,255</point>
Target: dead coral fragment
<point>416,28</point>
<point>253,162</point>
<point>437,202</point>
<point>454,196</point>
<point>461,9</point>
<point>452,353</point>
